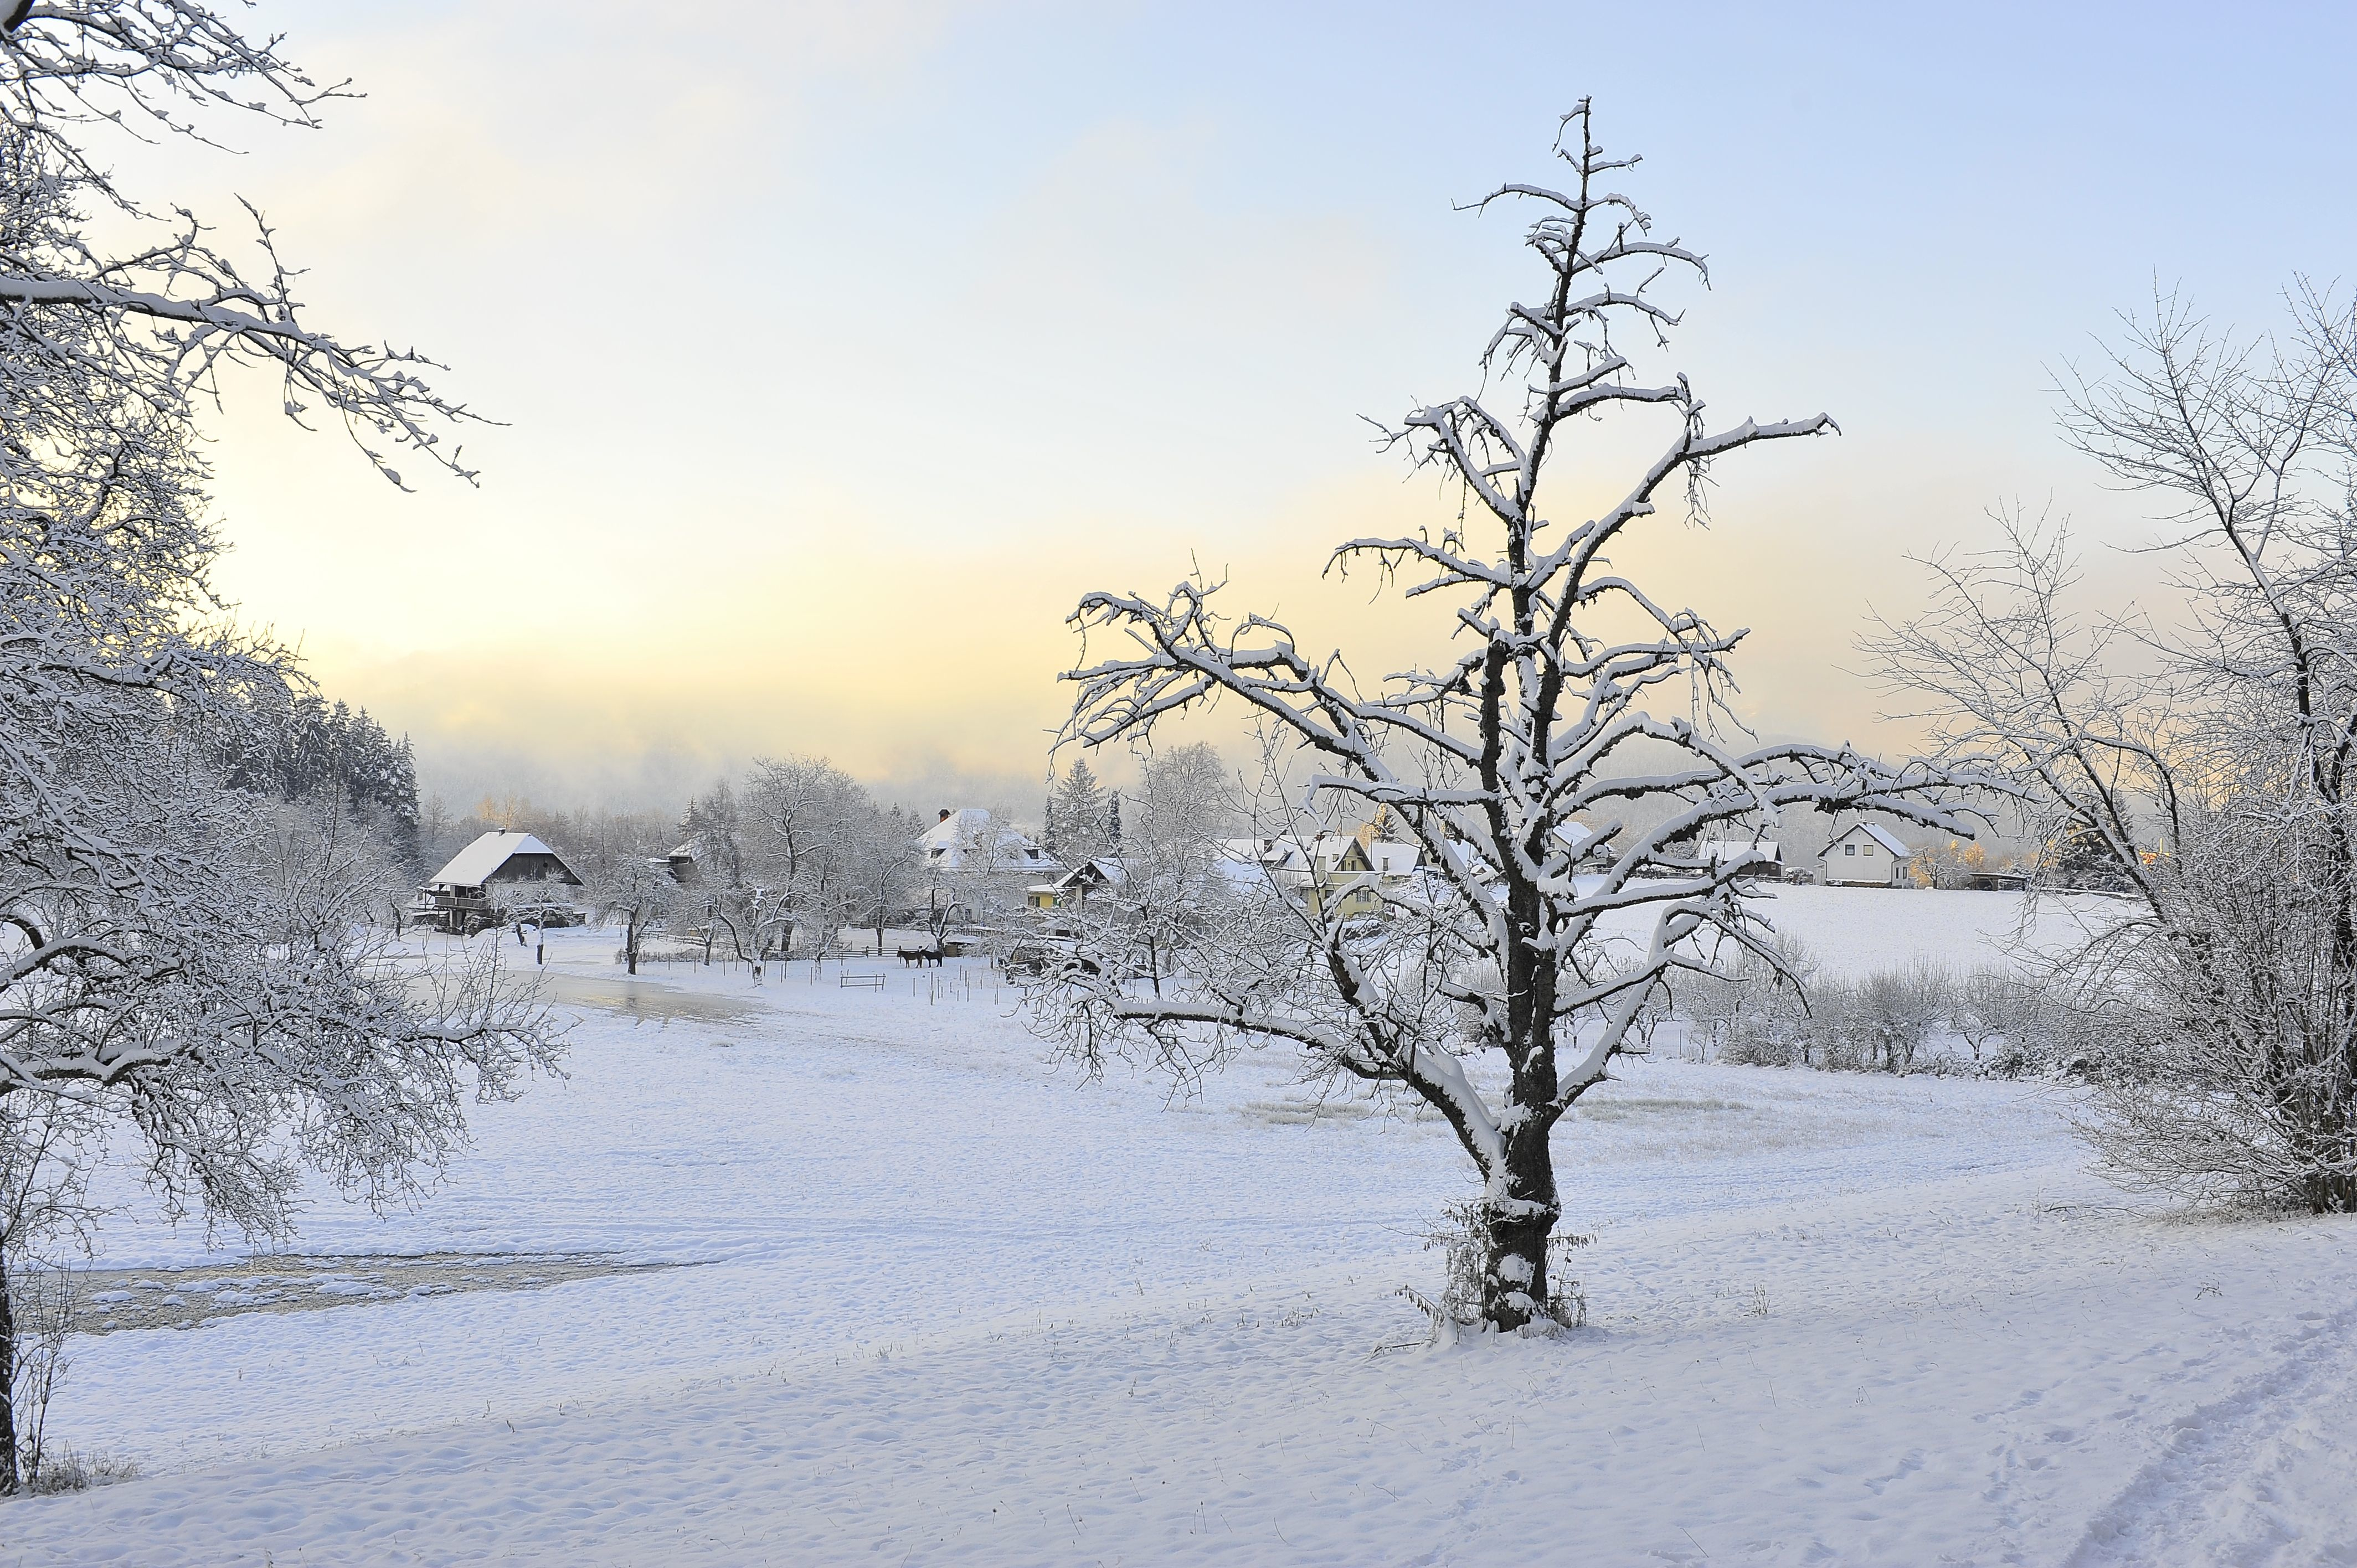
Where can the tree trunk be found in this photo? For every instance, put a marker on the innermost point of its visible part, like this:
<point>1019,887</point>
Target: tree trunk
<point>10,1483</point>
<point>1515,1287</point>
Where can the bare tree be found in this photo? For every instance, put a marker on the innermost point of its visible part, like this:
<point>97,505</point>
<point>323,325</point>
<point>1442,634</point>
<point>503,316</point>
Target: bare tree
<point>807,822</point>
<point>1494,991</point>
<point>884,870</point>
<point>45,1148</point>
<point>638,890</point>
<point>1995,1013</point>
<point>2203,765</point>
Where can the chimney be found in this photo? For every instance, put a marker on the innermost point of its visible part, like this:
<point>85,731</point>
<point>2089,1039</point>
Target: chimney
<point>944,816</point>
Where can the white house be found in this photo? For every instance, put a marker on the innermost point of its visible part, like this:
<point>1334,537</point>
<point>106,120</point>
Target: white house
<point>1249,863</point>
<point>971,838</point>
<point>1863,855</point>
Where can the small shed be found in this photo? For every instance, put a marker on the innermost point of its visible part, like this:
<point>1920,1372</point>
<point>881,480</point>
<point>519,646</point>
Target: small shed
<point>1863,856</point>
<point>1749,857</point>
<point>497,872</point>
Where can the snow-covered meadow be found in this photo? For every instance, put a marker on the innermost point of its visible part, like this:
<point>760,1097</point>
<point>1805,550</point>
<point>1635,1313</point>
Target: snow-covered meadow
<point>938,1300</point>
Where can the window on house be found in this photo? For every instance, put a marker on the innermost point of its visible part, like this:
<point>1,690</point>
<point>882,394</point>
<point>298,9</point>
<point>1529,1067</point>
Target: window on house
<point>1849,849</point>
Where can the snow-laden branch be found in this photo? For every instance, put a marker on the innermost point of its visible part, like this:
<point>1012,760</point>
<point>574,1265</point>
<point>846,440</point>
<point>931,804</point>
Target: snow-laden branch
<point>1525,937</point>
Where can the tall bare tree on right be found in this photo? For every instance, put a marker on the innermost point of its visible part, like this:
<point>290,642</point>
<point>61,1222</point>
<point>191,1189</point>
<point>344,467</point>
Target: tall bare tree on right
<point>2204,764</point>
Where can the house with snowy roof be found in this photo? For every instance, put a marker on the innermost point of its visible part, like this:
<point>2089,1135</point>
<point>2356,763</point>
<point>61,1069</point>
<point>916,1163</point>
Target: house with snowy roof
<point>1075,885</point>
<point>1246,864</point>
<point>972,839</point>
<point>492,880</point>
<point>1863,855</point>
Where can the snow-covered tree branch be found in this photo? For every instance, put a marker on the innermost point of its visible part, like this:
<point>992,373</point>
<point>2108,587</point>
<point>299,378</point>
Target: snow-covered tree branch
<point>2203,764</point>
<point>189,968</point>
<point>168,314</point>
<point>1541,929</point>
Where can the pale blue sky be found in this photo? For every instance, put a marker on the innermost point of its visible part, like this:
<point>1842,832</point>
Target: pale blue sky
<point>841,347</point>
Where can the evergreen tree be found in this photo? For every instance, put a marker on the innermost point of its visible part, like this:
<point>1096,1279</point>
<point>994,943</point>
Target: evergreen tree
<point>1077,818</point>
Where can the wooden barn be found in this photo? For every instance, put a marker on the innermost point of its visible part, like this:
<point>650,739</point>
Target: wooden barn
<point>493,880</point>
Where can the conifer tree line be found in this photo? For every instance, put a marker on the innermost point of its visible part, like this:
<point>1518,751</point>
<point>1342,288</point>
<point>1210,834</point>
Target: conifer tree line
<point>303,748</point>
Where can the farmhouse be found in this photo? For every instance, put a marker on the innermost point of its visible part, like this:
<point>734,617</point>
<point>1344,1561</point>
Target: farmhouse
<point>1344,874</point>
<point>497,876</point>
<point>1863,855</point>
<point>1246,864</point>
<point>971,838</point>
<point>1350,872</point>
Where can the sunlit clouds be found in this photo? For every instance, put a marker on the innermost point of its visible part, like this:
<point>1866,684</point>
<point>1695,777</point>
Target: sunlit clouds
<point>836,350</point>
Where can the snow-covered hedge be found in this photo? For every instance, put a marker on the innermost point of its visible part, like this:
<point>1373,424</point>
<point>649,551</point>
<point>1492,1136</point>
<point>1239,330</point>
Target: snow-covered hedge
<point>1918,1018</point>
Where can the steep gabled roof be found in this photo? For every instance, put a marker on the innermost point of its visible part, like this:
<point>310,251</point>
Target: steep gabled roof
<point>1878,834</point>
<point>1102,872</point>
<point>480,861</point>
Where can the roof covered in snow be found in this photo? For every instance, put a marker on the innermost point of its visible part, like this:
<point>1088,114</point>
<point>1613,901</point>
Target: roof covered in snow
<point>1276,855</point>
<point>1102,872</point>
<point>1879,835</point>
<point>480,861</point>
<point>1386,857</point>
<point>971,835</point>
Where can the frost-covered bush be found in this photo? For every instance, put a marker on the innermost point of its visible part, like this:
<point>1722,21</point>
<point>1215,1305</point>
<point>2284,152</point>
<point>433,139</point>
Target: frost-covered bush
<point>1895,1013</point>
<point>1998,1016</point>
<point>71,1470</point>
<point>2202,765</point>
<point>1918,1017</point>
<point>1750,1013</point>
<point>2218,1045</point>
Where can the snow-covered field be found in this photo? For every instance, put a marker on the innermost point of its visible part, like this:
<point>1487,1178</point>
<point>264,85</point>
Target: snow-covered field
<point>943,1302</point>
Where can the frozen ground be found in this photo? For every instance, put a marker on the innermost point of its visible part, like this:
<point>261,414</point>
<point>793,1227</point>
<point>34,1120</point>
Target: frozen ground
<point>955,1306</point>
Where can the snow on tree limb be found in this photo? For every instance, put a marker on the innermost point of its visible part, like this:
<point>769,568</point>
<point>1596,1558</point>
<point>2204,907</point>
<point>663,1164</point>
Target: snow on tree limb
<point>190,972</point>
<point>180,308</point>
<point>1524,938</point>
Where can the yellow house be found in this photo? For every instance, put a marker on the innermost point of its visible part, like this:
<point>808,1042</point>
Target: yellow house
<point>1349,874</point>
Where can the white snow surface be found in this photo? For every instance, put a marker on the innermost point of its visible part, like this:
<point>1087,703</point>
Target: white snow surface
<point>952,1305</point>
